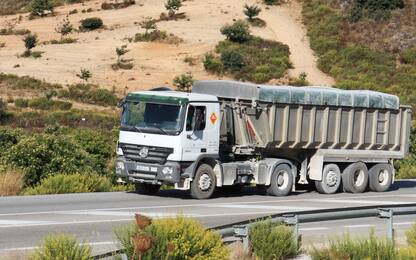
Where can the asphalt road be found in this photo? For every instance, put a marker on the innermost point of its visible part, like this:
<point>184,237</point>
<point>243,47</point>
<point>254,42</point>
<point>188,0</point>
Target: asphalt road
<point>92,217</point>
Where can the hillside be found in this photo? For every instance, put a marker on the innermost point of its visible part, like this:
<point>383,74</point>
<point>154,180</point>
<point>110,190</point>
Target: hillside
<point>155,63</point>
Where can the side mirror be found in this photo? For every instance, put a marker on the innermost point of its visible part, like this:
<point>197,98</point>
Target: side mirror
<point>121,103</point>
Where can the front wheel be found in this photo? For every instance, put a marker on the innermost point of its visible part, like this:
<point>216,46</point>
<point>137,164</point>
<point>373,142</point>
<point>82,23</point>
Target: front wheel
<point>146,189</point>
<point>281,181</point>
<point>203,185</point>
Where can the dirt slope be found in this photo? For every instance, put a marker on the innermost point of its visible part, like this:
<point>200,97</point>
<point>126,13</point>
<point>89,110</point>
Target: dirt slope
<point>155,63</point>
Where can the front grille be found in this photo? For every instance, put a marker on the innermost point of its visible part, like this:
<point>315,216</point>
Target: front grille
<point>156,155</point>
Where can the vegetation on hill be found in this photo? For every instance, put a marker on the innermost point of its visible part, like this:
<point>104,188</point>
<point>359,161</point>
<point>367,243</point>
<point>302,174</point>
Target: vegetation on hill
<point>356,55</point>
<point>19,6</point>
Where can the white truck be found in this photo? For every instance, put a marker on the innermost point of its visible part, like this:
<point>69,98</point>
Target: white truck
<point>228,133</point>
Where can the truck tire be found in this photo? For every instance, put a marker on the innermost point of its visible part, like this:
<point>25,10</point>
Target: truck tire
<point>281,181</point>
<point>203,185</point>
<point>355,178</point>
<point>331,179</point>
<point>380,177</point>
<point>146,188</point>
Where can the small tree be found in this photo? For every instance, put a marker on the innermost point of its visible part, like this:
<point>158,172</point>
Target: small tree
<point>64,28</point>
<point>30,40</point>
<point>237,32</point>
<point>120,51</point>
<point>184,82</point>
<point>251,11</point>
<point>3,107</point>
<point>39,7</point>
<point>148,24</point>
<point>85,75</point>
<point>173,6</point>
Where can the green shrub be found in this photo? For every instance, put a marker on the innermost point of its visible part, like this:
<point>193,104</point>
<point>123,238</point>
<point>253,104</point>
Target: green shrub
<point>30,41</point>
<point>357,249</point>
<point>375,9</point>
<point>26,83</point>
<point>411,236</point>
<point>408,56</point>
<point>155,35</point>
<point>71,183</point>
<point>184,237</point>
<point>20,102</point>
<point>184,82</point>
<point>273,241</point>
<point>3,107</point>
<point>172,6</point>
<point>61,247</point>
<point>271,2</point>
<point>251,11</point>
<point>44,103</point>
<point>256,60</point>
<point>8,138</point>
<point>39,7</point>
<point>90,94</point>
<point>237,32</point>
<point>41,155</point>
<point>90,24</point>
<point>213,64</point>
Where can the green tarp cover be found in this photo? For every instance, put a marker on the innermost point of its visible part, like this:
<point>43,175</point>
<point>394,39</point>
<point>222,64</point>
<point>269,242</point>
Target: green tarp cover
<point>320,96</point>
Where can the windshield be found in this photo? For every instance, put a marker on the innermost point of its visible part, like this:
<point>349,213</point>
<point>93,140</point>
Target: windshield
<point>152,118</point>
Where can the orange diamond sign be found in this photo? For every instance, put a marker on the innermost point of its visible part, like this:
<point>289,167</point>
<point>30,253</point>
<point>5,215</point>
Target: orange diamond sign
<point>213,118</point>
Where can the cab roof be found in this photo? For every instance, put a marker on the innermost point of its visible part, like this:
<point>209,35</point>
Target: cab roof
<point>171,96</point>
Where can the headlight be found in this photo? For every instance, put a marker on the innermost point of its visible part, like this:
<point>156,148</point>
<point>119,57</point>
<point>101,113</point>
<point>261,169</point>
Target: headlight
<point>119,151</point>
<point>120,166</point>
<point>167,170</point>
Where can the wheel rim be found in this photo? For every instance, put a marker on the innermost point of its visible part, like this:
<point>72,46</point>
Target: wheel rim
<point>204,182</point>
<point>331,178</point>
<point>282,179</point>
<point>359,177</point>
<point>383,177</point>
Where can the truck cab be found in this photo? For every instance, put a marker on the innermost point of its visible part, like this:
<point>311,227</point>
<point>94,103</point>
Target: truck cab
<point>163,134</point>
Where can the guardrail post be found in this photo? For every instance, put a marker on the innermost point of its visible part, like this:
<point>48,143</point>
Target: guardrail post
<point>292,219</point>
<point>242,231</point>
<point>387,214</point>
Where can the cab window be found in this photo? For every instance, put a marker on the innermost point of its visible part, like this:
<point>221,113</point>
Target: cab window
<point>196,118</point>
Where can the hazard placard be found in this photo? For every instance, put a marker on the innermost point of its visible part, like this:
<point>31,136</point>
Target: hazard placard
<point>213,118</point>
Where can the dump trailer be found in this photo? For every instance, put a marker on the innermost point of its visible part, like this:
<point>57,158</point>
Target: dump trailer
<point>227,134</point>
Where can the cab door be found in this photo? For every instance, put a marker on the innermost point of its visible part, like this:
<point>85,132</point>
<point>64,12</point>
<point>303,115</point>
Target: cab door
<point>201,131</point>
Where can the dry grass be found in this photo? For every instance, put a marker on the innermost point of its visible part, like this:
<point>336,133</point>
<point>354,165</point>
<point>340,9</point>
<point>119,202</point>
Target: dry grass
<point>12,6</point>
<point>11,182</point>
<point>237,252</point>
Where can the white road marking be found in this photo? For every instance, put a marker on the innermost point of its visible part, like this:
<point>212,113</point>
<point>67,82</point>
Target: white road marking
<point>35,247</point>
<point>372,202</point>
<point>359,226</point>
<point>244,206</point>
<point>313,229</point>
<point>404,223</point>
<point>8,222</point>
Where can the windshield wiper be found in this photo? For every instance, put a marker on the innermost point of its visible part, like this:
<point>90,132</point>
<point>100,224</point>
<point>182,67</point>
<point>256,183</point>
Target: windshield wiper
<point>160,129</point>
<point>138,129</point>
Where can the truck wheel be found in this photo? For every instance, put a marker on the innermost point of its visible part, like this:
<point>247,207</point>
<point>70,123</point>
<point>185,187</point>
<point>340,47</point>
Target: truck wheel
<point>331,180</point>
<point>146,189</point>
<point>380,177</point>
<point>203,185</point>
<point>281,181</point>
<point>355,178</point>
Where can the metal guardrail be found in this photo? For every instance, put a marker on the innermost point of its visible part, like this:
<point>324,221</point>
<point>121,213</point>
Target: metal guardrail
<point>241,230</point>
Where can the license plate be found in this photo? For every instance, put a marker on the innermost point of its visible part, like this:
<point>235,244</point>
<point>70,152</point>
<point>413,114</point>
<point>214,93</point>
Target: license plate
<point>142,168</point>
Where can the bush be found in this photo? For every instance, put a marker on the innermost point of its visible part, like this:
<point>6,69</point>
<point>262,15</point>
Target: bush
<point>173,6</point>
<point>26,83</point>
<point>22,103</point>
<point>411,236</point>
<point>3,107</point>
<point>272,2</point>
<point>117,5</point>
<point>41,155</point>
<point>90,94</point>
<point>213,64</point>
<point>256,60</point>
<point>155,35</point>
<point>375,9</point>
<point>251,11</point>
<point>61,247</point>
<point>176,238</point>
<point>273,241</point>
<point>9,138</point>
<point>90,24</point>
<point>184,82</point>
<point>44,103</point>
<point>408,56</point>
<point>30,41</point>
<point>71,183</point>
<point>11,181</point>
<point>39,7</point>
<point>348,248</point>
<point>237,32</point>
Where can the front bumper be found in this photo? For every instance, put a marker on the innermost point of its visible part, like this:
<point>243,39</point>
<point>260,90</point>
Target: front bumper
<point>170,172</point>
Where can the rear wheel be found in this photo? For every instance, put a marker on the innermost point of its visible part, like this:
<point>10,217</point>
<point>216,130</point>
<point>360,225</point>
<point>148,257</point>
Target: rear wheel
<point>203,185</point>
<point>146,188</point>
<point>331,180</point>
<point>380,177</point>
<point>281,181</point>
<point>355,178</point>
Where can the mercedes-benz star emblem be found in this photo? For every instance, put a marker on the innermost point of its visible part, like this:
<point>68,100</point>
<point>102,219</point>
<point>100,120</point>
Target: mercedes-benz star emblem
<point>144,152</point>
